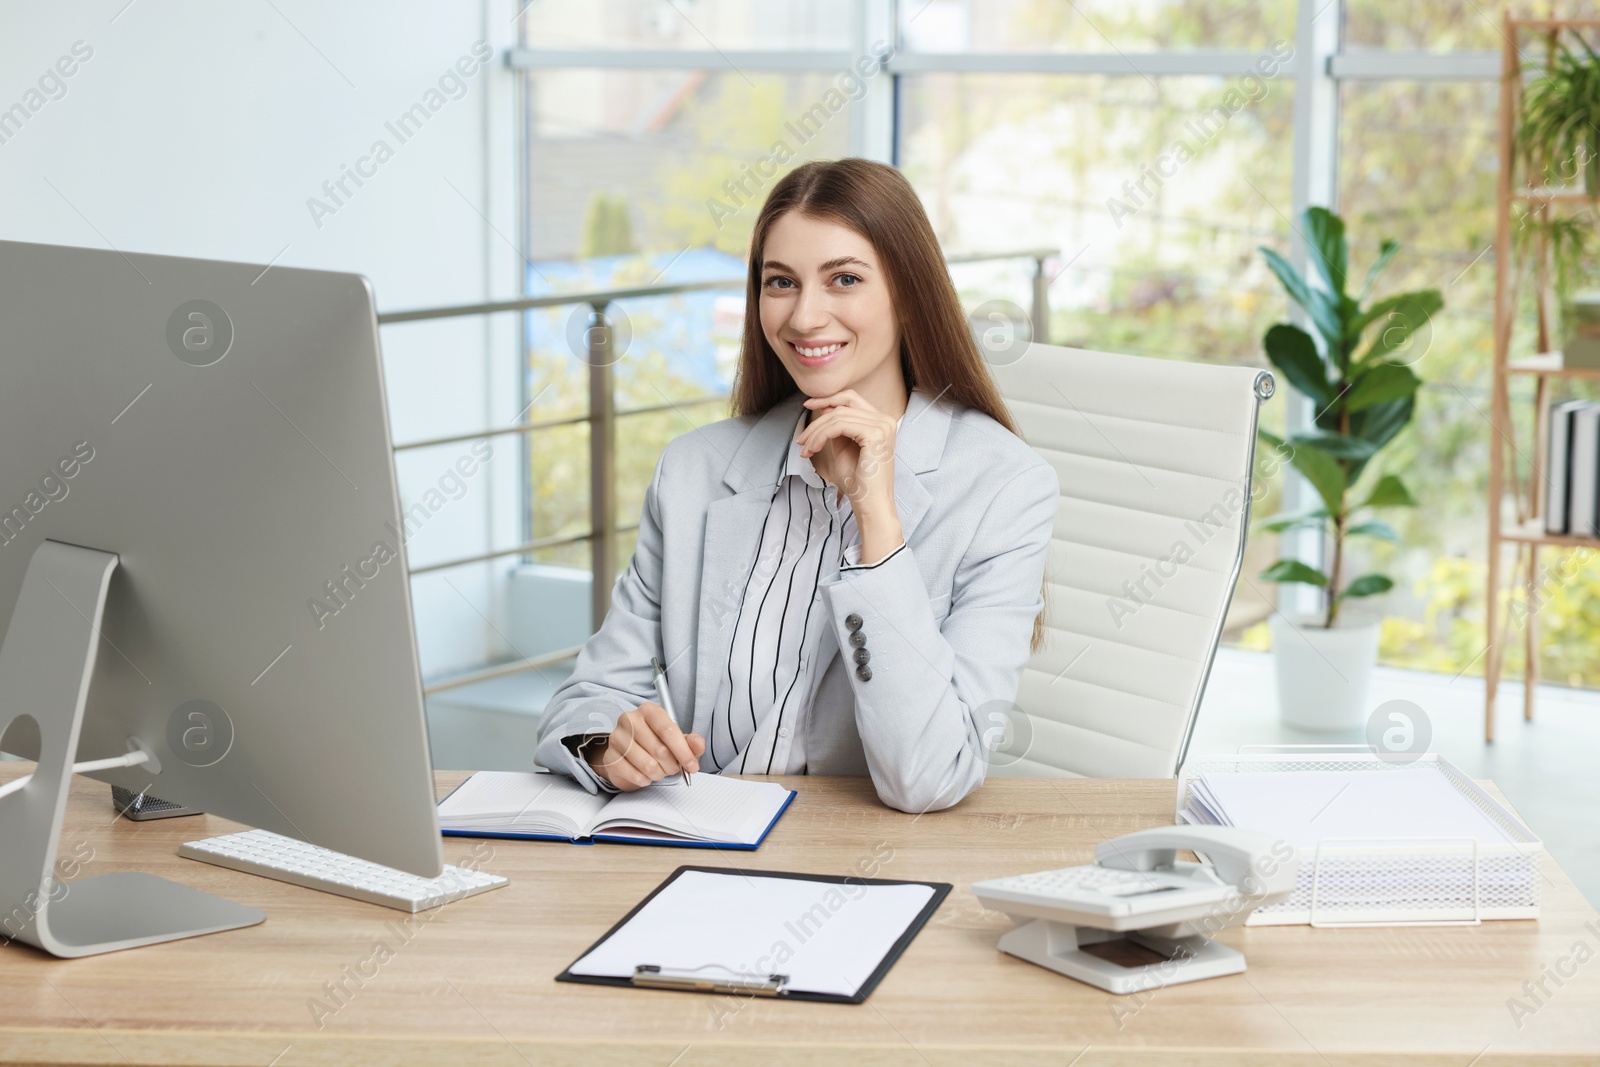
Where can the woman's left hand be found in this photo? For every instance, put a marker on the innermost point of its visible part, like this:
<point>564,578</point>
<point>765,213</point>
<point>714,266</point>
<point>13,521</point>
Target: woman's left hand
<point>851,444</point>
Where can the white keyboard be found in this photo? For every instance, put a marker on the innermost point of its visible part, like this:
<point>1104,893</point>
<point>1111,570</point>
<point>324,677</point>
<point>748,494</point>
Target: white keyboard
<point>289,860</point>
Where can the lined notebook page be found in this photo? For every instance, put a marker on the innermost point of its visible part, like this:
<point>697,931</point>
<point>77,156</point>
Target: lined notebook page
<point>827,937</point>
<point>714,808</point>
<point>518,800</point>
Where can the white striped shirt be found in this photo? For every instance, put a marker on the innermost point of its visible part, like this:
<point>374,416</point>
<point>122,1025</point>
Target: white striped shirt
<point>782,641</point>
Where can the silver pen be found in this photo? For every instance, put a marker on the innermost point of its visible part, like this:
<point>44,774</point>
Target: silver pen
<point>665,699</point>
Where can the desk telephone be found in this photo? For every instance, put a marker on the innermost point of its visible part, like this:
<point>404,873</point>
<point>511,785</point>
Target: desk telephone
<point>1139,918</point>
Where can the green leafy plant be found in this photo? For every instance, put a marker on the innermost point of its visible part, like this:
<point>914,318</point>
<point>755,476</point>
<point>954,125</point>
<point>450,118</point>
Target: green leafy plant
<point>1560,248</point>
<point>1564,241</point>
<point>1560,125</point>
<point>1364,392</point>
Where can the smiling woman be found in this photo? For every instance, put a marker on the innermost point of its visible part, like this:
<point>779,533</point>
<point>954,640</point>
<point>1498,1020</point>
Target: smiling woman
<point>844,573</point>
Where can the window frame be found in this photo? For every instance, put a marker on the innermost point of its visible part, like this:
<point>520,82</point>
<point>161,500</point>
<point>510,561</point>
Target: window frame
<point>1319,66</point>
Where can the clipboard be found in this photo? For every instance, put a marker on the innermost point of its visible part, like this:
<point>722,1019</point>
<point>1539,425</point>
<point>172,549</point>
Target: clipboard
<point>737,977</point>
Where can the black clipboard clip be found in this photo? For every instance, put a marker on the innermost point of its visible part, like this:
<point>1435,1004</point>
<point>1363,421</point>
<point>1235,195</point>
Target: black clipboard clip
<point>652,976</point>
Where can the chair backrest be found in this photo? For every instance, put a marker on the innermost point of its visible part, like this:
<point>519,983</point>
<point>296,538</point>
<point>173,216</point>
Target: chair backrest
<point>1154,458</point>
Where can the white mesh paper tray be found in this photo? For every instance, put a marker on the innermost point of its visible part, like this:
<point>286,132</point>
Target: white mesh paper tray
<point>1386,881</point>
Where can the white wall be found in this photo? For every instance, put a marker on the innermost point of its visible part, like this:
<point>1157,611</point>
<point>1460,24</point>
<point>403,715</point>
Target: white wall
<point>202,129</point>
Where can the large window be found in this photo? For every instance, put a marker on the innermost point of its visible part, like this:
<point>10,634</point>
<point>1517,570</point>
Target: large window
<point>1147,149</point>
<point>1392,137</point>
<point>1103,26</point>
<point>1446,25</point>
<point>644,178</point>
<point>1156,191</point>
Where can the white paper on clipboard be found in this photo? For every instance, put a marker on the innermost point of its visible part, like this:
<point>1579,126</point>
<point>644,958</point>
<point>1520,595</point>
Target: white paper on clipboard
<point>826,936</point>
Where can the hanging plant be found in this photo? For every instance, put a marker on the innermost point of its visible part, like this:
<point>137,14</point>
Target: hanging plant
<point>1558,245</point>
<point>1559,132</point>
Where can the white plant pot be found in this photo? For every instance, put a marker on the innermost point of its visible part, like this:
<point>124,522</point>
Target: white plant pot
<point>1324,675</point>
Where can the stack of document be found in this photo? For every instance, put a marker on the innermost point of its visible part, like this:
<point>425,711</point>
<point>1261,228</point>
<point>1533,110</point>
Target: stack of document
<point>1386,843</point>
<point>1312,806</point>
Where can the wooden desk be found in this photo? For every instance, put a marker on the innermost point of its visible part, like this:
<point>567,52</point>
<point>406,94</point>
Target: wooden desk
<point>471,983</point>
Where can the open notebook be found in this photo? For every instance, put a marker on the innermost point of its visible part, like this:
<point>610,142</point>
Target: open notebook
<point>714,812</point>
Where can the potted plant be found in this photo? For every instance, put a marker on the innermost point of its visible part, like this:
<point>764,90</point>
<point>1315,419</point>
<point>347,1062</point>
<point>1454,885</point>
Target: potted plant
<point>1356,367</point>
<point>1558,134</point>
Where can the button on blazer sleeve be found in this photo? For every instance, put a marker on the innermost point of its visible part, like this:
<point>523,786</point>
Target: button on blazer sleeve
<point>612,674</point>
<point>919,704</point>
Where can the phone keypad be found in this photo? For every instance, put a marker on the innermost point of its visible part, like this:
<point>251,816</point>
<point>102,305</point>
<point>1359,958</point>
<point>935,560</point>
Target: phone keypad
<point>1100,879</point>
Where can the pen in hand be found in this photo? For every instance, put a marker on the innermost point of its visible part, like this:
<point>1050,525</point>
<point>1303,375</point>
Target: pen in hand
<point>665,699</point>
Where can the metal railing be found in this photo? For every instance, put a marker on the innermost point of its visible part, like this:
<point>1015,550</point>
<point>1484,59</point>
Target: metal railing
<point>602,418</point>
<point>1040,312</point>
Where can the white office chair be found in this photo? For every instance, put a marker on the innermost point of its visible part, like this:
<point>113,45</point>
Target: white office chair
<point>1155,462</point>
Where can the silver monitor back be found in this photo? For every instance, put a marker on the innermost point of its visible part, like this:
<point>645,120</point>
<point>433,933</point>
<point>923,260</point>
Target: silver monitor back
<point>222,428</point>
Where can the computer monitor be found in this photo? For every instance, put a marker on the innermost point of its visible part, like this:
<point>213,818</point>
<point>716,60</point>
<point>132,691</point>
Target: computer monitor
<point>221,430</point>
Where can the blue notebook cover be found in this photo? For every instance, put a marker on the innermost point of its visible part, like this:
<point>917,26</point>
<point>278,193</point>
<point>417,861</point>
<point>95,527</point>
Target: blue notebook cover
<point>623,839</point>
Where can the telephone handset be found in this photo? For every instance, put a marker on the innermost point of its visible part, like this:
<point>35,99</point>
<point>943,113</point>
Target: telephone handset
<point>1140,917</point>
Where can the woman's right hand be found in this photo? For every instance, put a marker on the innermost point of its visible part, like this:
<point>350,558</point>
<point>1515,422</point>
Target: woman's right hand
<point>646,746</point>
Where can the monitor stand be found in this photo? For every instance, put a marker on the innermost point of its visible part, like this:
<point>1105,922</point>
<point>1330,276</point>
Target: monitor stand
<point>46,661</point>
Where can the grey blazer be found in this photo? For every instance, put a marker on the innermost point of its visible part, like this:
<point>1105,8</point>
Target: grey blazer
<point>947,620</point>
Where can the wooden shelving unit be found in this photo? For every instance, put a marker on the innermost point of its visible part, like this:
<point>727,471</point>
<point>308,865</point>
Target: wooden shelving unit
<point>1549,365</point>
<point>1526,533</point>
<point>1533,533</point>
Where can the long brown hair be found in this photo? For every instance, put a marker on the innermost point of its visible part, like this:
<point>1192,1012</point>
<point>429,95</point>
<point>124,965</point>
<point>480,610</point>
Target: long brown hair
<point>937,349</point>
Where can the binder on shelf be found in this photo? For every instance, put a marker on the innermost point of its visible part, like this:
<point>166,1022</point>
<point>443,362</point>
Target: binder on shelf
<point>1558,466</point>
<point>1584,501</point>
